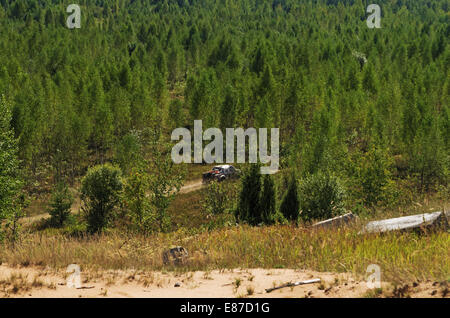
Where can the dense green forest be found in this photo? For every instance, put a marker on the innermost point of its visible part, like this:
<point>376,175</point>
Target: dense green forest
<point>369,106</point>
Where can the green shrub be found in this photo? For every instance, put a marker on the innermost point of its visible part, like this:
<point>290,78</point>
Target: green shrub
<point>219,203</point>
<point>290,204</point>
<point>321,197</point>
<point>219,198</point>
<point>60,204</point>
<point>248,209</point>
<point>375,177</point>
<point>100,193</point>
<point>137,202</point>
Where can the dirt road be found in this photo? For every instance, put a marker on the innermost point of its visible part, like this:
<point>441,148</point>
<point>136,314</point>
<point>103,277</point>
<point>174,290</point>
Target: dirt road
<point>192,186</point>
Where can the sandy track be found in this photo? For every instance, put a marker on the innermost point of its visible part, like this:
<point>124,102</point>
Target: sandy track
<point>192,186</point>
<point>214,284</point>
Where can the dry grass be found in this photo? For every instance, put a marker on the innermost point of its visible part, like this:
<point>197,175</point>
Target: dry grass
<point>186,210</point>
<point>18,284</point>
<point>401,256</point>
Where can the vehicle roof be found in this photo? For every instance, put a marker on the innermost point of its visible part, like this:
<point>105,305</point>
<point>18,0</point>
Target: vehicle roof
<point>223,166</point>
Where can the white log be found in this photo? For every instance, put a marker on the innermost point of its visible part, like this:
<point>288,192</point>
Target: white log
<point>419,221</point>
<point>336,221</point>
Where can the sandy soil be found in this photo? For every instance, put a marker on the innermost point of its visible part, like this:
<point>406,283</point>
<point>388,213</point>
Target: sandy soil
<point>191,186</point>
<point>34,282</point>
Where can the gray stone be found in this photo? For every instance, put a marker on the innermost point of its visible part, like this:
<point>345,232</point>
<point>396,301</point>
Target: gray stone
<point>419,221</point>
<point>336,221</point>
<point>176,256</point>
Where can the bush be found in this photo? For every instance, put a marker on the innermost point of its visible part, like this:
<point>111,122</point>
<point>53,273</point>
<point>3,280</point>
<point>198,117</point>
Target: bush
<point>290,204</point>
<point>138,203</point>
<point>60,204</point>
<point>321,197</point>
<point>268,200</point>
<point>219,198</point>
<point>219,203</point>
<point>100,193</point>
<point>375,177</point>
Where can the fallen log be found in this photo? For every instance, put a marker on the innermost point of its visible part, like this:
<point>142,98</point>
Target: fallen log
<point>336,221</point>
<point>311,281</point>
<point>412,222</point>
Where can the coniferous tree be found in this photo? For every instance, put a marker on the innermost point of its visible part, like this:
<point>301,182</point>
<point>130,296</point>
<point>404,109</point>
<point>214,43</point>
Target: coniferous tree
<point>290,206</point>
<point>76,93</point>
<point>249,208</point>
<point>60,204</point>
<point>268,200</point>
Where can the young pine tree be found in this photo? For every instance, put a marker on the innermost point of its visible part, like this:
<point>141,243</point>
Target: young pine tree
<point>268,200</point>
<point>290,204</point>
<point>60,204</point>
<point>249,200</point>
<point>375,176</point>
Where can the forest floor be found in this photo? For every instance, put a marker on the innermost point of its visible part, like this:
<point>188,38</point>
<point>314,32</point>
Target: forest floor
<point>235,283</point>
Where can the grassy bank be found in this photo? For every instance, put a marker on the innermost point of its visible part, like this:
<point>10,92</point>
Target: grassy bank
<point>401,256</point>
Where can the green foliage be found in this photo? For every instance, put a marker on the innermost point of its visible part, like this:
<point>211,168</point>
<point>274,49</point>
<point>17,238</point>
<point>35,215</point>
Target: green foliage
<point>152,185</point>
<point>129,152</point>
<point>177,113</point>
<point>257,198</point>
<point>429,160</point>
<point>268,200</point>
<point>60,204</point>
<point>165,180</point>
<point>11,198</point>
<point>249,209</point>
<point>219,204</point>
<point>138,201</point>
<point>290,206</point>
<point>331,84</point>
<point>219,198</point>
<point>321,197</point>
<point>375,177</point>
<point>100,192</point>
